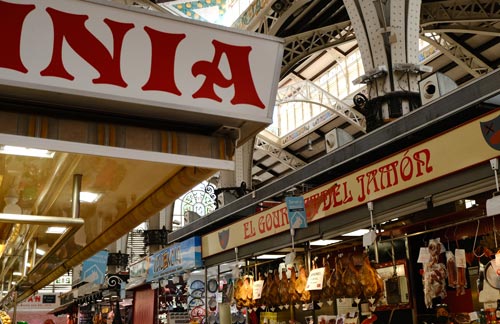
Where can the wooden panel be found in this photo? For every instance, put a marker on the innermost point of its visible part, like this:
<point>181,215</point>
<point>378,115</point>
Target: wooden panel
<point>144,306</point>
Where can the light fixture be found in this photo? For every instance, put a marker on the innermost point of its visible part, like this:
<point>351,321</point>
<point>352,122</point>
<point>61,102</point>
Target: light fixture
<point>469,203</point>
<point>11,206</point>
<point>89,197</point>
<point>55,230</point>
<point>371,75</point>
<point>324,242</point>
<point>359,232</point>
<point>40,252</point>
<point>17,273</point>
<point>309,145</point>
<point>413,68</point>
<point>24,151</point>
<point>270,256</point>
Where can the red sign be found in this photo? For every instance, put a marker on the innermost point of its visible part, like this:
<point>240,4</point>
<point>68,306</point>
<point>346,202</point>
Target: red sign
<point>83,48</point>
<point>466,145</point>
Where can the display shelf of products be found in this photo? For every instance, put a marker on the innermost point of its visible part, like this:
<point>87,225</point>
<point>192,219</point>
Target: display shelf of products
<point>174,317</point>
<point>5,318</point>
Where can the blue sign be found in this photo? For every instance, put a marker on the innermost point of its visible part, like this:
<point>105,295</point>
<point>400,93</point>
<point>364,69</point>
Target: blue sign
<point>296,212</point>
<point>175,259</point>
<point>94,268</point>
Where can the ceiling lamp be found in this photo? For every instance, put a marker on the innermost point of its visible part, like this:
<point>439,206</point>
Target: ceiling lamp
<point>324,242</point>
<point>24,151</point>
<point>11,206</point>
<point>359,232</point>
<point>89,197</point>
<point>309,145</point>
<point>55,230</point>
<point>270,256</point>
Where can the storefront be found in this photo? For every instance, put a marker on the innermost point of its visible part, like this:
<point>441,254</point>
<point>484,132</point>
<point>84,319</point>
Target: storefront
<point>117,94</point>
<point>169,278</point>
<point>392,197</point>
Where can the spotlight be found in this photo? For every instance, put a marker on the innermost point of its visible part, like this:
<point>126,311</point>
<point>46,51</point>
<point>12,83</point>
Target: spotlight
<point>309,145</point>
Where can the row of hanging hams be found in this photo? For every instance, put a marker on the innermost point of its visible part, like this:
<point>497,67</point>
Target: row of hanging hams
<point>353,276</point>
<point>278,290</point>
<point>243,291</point>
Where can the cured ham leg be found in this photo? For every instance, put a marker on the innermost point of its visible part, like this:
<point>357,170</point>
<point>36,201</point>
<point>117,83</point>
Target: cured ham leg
<point>283,288</point>
<point>293,295</point>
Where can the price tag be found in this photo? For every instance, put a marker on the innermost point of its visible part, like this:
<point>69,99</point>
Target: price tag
<point>257,289</point>
<point>460,258</point>
<point>315,279</point>
<point>424,256</point>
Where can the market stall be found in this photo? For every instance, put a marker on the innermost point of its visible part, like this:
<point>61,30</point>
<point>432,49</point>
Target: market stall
<point>418,259</point>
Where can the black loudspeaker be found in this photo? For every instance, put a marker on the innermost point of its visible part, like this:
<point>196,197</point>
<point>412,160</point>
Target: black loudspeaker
<point>279,5</point>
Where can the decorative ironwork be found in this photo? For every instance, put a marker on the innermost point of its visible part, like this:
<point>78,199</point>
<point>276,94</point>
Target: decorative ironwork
<point>238,192</point>
<point>156,237</point>
<point>210,190</point>
<point>118,259</point>
<point>113,281</point>
<point>199,200</point>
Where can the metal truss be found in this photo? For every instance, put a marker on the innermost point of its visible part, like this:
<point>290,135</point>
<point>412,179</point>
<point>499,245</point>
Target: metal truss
<point>306,91</point>
<point>486,28</point>
<point>298,47</point>
<point>268,21</point>
<point>145,4</point>
<point>278,153</point>
<point>458,54</point>
<point>459,11</point>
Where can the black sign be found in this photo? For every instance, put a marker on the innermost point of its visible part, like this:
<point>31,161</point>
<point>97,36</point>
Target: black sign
<point>49,299</point>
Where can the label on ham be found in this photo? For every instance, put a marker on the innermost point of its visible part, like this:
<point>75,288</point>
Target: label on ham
<point>218,297</point>
<point>424,256</point>
<point>257,289</point>
<point>315,279</point>
<point>460,258</point>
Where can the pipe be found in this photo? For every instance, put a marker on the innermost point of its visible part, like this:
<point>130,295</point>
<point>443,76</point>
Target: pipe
<point>164,195</point>
<point>74,224</point>
<point>39,220</point>
<point>26,258</point>
<point>77,187</point>
<point>33,253</point>
<point>438,228</point>
<point>14,314</point>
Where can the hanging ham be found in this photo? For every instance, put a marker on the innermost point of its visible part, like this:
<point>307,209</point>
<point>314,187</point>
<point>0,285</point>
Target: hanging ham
<point>301,283</point>
<point>293,295</point>
<point>336,281</point>
<point>283,288</point>
<point>327,292</point>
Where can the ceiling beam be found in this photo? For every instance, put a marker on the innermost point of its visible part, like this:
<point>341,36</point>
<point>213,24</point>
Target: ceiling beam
<point>297,47</point>
<point>458,54</point>
<point>306,91</point>
<point>272,149</point>
<point>459,10</point>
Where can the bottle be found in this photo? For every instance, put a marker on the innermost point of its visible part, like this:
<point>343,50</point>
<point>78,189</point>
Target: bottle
<point>497,312</point>
<point>492,317</point>
<point>482,316</point>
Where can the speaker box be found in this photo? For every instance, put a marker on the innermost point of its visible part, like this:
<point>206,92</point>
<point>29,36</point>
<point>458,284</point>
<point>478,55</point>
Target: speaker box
<point>434,86</point>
